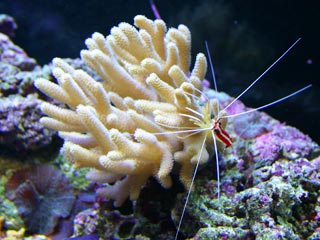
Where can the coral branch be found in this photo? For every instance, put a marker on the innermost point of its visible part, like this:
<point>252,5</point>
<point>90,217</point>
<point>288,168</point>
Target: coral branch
<point>122,126</point>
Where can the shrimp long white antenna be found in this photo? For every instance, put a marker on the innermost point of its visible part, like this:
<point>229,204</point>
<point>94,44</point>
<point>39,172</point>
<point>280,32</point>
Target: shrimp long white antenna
<point>198,116</point>
<point>213,137</point>
<point>190,117</point>
<point>192,130</point>
<point>196,97</point>
<point>217,164</point>
<point>254,82</point>
<point>270,104</point>
<point>211,67</point>
<point>203,144</point>
<point>195,112</point>
<point>190,188</point>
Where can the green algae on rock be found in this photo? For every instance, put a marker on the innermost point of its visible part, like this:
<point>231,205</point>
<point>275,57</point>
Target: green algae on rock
<point>270,187</point>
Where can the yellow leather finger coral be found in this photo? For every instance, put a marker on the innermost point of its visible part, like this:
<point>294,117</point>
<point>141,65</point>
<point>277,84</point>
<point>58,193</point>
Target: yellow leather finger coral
<point>122,127</point>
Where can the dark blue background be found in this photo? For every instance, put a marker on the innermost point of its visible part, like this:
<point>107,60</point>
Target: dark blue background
<point>265,29</point>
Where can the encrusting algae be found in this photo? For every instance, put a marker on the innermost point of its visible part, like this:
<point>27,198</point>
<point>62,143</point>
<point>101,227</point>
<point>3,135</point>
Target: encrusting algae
<point>121,127</point>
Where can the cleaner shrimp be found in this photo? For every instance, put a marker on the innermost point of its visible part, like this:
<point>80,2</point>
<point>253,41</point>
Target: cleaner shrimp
<point>212,122</point>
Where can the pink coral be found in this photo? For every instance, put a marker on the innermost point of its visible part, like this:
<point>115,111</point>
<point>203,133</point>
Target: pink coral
<point>282,141</point>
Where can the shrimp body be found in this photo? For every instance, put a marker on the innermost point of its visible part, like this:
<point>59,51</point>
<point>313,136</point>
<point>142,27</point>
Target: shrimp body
<point>213,122</point>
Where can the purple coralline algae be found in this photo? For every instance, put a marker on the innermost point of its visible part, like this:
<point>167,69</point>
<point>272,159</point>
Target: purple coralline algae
<point>42,195</point>
<point>14,55</point>
<point>7,25</point>
<point>19,124</point>
<point>85,223</point>
<point>20,129</point>
<point>283,141</point>
<point>109,224</point>
<point>270,184</point>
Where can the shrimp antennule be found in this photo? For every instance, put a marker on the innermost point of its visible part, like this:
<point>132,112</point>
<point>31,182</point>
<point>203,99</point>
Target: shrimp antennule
<point>264,73</point>
<point>270,104</point>
<point>217,129</point>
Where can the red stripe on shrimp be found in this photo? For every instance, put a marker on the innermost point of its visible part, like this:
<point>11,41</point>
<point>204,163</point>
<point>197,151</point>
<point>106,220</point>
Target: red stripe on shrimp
<point>221,134</point>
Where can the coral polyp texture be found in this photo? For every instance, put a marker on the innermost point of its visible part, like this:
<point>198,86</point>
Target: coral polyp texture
<point>119,126</point>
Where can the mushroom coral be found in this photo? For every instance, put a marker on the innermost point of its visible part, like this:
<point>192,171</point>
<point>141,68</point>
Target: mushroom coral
<point>123,127</point>
<point>42,195</point>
